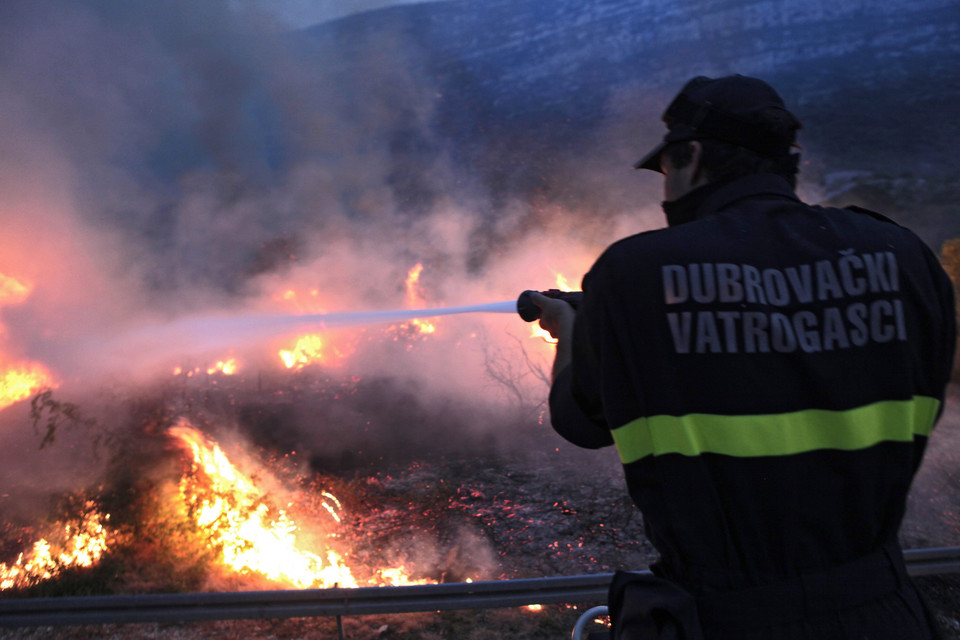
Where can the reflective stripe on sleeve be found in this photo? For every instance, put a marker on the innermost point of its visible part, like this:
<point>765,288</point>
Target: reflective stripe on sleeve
<point>777,434</point>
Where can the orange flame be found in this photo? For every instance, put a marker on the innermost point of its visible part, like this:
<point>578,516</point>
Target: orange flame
<point>535,331</point>
<point>227,367</point>
<point>415,299</point>
<point>251,534</point>
<point>83,546</point>
<point>562,283</point>
<point>312,348</point>
<point>308,350</point>
<point>19,381</point>
<point>237,518</point>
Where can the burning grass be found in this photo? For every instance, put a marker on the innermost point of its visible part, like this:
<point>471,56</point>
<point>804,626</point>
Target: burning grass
<point>73,544</point>
<point>189,505</point>
<point>196,506</point>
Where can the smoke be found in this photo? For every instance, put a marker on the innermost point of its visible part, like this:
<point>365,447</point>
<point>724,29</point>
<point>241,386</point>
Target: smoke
<point>173,172</point>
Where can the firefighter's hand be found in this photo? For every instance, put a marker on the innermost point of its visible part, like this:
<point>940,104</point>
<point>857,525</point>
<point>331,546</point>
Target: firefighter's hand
<point>556,316</point>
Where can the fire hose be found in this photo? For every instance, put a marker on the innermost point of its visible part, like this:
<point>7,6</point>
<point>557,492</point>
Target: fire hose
<point>530,312</point>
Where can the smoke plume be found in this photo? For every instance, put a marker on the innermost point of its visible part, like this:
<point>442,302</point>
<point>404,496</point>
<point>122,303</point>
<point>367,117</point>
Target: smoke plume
<point>174,159</point>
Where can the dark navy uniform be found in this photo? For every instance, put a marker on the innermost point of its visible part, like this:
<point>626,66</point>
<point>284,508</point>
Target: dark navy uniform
<point>770,372</point>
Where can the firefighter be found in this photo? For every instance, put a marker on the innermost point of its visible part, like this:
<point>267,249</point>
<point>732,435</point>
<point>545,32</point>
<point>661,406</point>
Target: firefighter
<point>769,372</point>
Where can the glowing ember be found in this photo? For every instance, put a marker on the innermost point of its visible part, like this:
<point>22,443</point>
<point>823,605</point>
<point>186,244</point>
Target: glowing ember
<point>251,534</point>
<point>79,546</point>
<point>227,367</point>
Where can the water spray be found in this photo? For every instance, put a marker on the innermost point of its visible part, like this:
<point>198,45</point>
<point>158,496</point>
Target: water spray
<point>206,333</point>
<point>213,329</point>
<point>337,320</point>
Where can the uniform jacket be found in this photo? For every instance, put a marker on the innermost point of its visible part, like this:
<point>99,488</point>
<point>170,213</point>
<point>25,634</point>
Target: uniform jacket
<point>769,373</point>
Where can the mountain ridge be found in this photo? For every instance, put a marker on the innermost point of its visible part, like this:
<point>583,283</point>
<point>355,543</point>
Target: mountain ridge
<point>556,50</point>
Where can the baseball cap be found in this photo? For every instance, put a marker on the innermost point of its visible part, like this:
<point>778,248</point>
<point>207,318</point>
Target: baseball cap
<point>724,109</point>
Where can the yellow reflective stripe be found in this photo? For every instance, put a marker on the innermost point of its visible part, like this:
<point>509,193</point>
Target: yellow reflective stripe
<point>777,434</point>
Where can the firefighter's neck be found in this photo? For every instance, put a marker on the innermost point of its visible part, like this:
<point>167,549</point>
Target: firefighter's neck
<point>686,208</point>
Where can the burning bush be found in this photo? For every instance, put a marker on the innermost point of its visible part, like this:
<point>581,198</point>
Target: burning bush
<point>186,515</point>
<point>77,542</point>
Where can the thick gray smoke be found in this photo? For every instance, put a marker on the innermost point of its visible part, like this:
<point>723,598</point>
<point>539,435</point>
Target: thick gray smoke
<point>174,159</point>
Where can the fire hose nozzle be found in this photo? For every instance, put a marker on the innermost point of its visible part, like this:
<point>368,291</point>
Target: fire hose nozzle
<point>530,312</point>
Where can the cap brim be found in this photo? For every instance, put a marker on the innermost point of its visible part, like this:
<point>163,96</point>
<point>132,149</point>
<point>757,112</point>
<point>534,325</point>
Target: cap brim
<point>651,161</point>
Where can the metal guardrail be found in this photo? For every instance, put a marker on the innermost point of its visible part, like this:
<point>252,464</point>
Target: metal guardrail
<point>192,607</point>
<point>930,562</point>
<point>184,607</point>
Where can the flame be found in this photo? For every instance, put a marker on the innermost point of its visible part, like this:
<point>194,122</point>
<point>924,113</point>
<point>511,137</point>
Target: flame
<point>19,380</point>
<point>535,330</point>
<point>252,535</point>
<point>237,518</point>
<point>83,546</point>
<point>226,367</point>
<point>311,348</point>
<point>308,350</point>
<point>562,283</point>
<point>314,348</point>
<point>424,326</point>
<point>415,299</point>
<point>397,577</point>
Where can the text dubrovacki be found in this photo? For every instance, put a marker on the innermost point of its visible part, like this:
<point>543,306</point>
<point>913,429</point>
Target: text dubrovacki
<point>851,323</point>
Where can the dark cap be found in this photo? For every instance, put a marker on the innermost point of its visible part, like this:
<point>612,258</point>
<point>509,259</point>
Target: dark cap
<point>724,109</point>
